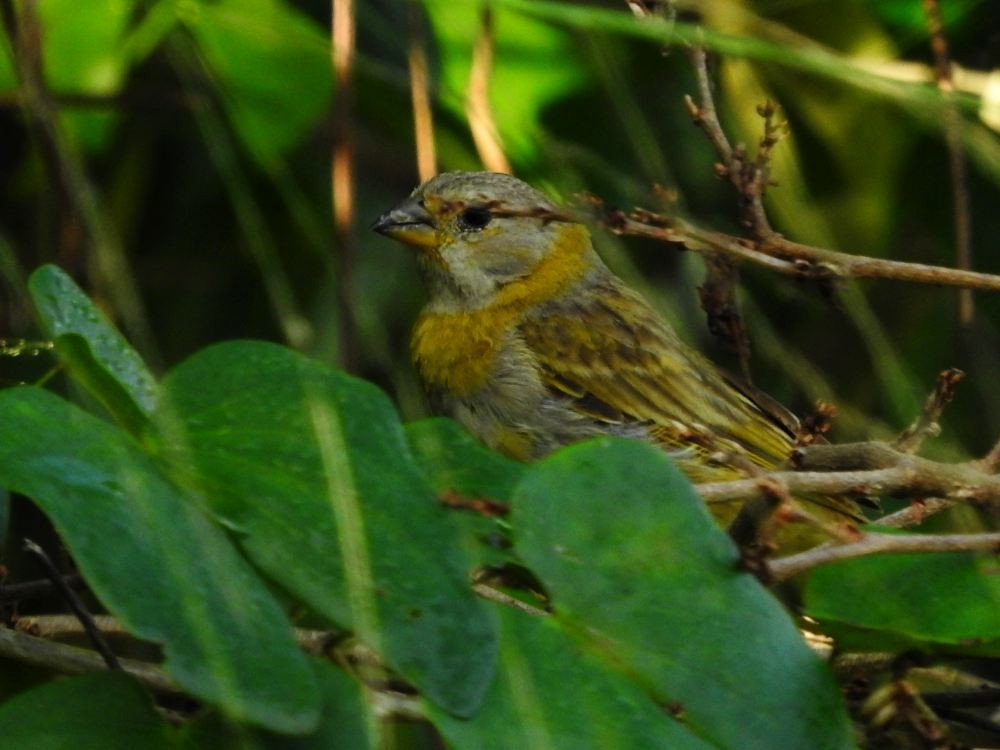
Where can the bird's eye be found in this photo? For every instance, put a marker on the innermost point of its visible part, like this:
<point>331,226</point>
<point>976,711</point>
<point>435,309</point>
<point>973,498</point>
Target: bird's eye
<point>474,218</point>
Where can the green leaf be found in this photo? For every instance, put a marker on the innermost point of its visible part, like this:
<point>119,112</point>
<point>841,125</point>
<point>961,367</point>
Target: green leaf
<point>345,722</point>
<point>455,464</point>
<point>94,351</point>
<point>104,711</point>
<point>634,562</point>
<point>156,561</point>
<point>452,459</point>
<point>267,58</point>
<point>84,53</point>
<point>550,693</point>
<point>946,601</point>
<point>311,466</point>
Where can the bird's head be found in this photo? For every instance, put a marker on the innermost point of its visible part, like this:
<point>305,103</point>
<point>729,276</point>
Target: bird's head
<point>480,231</point>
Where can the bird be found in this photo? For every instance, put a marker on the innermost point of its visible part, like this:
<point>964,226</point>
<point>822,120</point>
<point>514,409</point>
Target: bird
<point>532,343</point>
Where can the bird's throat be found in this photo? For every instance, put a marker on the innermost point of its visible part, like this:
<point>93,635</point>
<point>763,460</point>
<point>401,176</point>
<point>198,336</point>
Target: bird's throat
<point>455,351</point>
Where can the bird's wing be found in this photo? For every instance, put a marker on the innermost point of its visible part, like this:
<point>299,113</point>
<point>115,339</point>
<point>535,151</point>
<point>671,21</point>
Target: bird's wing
<point>615,360</point>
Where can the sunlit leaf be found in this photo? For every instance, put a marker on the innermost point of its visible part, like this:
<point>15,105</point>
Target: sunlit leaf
<point>524,79</point>
<point>271,66</point>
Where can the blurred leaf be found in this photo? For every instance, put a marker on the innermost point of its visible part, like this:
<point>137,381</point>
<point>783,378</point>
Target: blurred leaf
<point>83,53</point>
<point>345,722</point>
<point>155,561</point>
<point>524,80</point>
<point>550,693</point>
<point>633,560</point>
<point>947,600</point>
<point>912,17</point>
<point>104,711</point>
<point>771,42</point>
<point>311,466</point>
<point>94,351</point>
<point>267,58</point>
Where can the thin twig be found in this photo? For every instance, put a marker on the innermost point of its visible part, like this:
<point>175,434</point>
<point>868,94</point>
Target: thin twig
<point>916,513</point>
<point>343,36</point>
<point>750,177</point>
<point>75,604</point>
<point>478,110</point>
<point>60,626</point>
<point>495,595</point>
<point>956,155</point>
<point>423,115</point>
<point>882,544</point>
<point>921,478</point>
<point>926,425</point>
<point>793,258</point>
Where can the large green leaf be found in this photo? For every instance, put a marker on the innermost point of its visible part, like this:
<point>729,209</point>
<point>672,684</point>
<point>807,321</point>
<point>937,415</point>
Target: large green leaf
<point>311,467</point>
<point>272,68</point>
<point>551,693</point>
<point>939,602</point>
<point>633,560</point>
<point>156,561</point>
<point>93,349</point>
<point>456,465</point>
<point>346,722</point>
<point>106,711</point>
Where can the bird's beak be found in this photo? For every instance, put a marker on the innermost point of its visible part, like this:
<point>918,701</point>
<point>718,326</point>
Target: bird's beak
<point>410,223</point>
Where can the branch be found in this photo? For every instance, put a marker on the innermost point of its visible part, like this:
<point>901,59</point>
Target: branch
<point>881,544</point>
<point>918,511</point>
<point>59,657</point>
<point>792,258</point>
<point>75,604</point>
<point>926,425</point>
<point>956,157</point>
<point>910,477</point>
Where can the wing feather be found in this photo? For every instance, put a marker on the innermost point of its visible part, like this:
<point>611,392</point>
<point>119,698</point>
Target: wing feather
<point>618,362</point>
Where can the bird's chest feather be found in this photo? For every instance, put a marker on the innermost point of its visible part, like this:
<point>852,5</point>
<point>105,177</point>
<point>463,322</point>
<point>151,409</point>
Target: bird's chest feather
<point>458,352</point>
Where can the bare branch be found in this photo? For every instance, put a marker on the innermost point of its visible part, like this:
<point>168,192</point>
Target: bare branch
<point>916,513</point>
<point>792,258</point>
<point>917,477</point>
<point>423,114</point>
<point>926,425</point>
<point>40,652</point>
<point>956,156</point>
<point>478,110</point>
<point>881,544</point>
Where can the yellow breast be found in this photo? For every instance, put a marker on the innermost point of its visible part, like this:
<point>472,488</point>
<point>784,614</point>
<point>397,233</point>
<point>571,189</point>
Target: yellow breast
<point>456,351</point>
